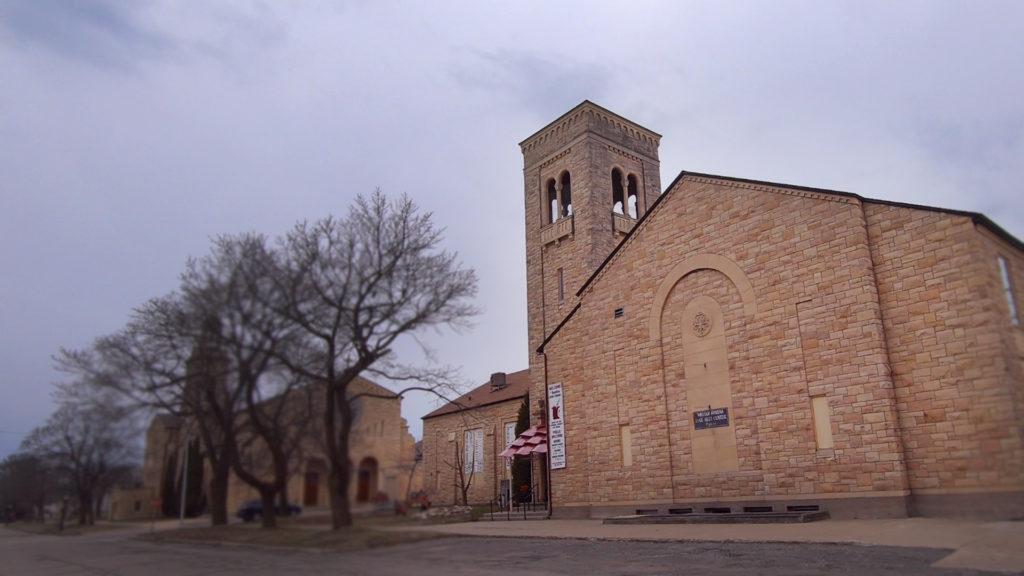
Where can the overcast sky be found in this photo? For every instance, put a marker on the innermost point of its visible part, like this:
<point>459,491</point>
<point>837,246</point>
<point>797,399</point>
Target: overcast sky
<point>132,132</point>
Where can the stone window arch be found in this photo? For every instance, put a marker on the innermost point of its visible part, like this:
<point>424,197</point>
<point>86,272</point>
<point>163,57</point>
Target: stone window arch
<point>618,192</point>
<point>558,198</point>
<point>700,262</point>
<point>565,200</point>
<point>551,201</point>
<point>632,195</point>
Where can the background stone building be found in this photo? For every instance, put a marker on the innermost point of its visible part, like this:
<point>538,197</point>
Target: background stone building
<point>382,452</point>
<point>736,344</point>
<point>469,432</point>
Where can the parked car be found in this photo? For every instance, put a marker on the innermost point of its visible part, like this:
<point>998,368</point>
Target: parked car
<point>253,509</point>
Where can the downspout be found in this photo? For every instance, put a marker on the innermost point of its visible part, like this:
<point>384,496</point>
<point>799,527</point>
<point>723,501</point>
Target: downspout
<point>547,456</point>
<point>494,460</point>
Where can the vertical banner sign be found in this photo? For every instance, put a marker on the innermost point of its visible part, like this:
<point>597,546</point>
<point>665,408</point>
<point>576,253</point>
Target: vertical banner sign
<point>556,427</point>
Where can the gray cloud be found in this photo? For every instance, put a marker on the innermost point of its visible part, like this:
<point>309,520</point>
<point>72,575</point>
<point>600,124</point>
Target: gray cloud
<point>538,83</point>
<point>101,32</point>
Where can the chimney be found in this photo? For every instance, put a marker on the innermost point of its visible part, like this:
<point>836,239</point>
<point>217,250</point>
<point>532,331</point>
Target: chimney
<point>498,381</point>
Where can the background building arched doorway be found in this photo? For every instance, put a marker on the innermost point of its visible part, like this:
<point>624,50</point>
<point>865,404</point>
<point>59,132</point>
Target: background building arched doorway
<point>366,487</point>
<point>316,471</point>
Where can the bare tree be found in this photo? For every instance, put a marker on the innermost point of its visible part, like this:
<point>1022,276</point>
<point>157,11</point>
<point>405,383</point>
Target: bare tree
<point>88,442</point>
<point>167,358</point>
<point>354,287</point>
<point>232,285</point>
<point>459,464</point>
<point>27,485</point>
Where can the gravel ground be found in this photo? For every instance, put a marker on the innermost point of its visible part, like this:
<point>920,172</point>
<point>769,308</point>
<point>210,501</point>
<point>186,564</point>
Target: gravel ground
<point>120,553</point>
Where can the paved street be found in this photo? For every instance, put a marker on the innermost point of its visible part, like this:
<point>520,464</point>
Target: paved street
<point>119,553</point>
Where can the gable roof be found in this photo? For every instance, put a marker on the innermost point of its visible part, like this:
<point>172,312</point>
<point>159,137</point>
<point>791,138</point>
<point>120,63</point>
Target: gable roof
<point>977,218</point>
<point>517,385</point>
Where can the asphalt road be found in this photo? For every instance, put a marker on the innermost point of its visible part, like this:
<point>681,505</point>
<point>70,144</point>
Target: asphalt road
<point>119,553</point>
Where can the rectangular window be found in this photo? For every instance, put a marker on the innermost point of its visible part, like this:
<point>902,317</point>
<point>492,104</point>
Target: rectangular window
<point>561,286</point>
<point>1004,271</point>
<point>822,422</point>
<point>473,451</point>
<point>626,440</point>
<point>510,437</point>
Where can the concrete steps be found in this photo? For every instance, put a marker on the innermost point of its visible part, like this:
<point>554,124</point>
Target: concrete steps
<point>515,515</point>
<point>730,518</point>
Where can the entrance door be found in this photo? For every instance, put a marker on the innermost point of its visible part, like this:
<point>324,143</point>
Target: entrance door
<point>311,493</point>
<point>367,485</point>
<point>505,493</point>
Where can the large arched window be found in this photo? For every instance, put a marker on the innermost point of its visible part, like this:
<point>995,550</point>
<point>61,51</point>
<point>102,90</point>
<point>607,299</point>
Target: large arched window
<point>566,194</point>
<point>618,199</point>
<point>632,195</point>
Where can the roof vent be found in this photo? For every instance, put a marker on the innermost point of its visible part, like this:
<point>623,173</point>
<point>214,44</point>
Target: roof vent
<point>498,381</point>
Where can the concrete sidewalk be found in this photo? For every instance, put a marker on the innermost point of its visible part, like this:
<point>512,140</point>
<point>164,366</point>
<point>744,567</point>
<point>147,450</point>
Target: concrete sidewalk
<point>993,546</point>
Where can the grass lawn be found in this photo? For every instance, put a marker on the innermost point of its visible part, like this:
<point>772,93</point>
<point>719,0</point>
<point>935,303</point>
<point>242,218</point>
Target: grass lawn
<point>290,535</point>
<point>52,529</point>
<point>412,519</point>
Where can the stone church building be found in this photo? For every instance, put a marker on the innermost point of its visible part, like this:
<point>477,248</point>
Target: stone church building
<point>382,453</point>
<point>731,344</point>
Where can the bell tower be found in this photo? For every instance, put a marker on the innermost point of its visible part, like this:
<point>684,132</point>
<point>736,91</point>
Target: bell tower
<point>589,177</point>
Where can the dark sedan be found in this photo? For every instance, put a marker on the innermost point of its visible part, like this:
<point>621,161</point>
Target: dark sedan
<point>253,510</point>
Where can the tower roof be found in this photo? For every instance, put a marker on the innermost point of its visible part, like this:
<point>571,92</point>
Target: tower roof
<point>585,105</point>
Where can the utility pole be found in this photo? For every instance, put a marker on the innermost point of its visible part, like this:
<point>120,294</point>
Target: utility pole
<point>184,482</point>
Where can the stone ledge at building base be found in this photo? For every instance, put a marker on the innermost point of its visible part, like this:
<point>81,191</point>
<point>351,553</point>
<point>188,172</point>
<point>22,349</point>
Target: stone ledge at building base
<point>984,505</point>
<point>840,508</point>
<point>721,518</point>
<point>1008,505</point>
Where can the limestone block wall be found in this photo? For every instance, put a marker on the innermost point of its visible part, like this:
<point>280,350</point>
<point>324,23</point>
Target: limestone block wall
<point>162,441</point>
<point>132,504</point>
<point>588,141</point>
<point>440,435</point>
<point>814,330</point>
<point>956,358</point>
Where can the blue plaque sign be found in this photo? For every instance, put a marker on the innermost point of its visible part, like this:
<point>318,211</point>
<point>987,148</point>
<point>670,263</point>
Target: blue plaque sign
<point>710,418</point>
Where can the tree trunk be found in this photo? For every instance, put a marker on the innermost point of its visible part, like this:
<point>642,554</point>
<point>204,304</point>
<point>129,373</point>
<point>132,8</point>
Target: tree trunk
<point>282,500</point>
<point>336,441</point>
<point>97,508</point>
<point>63,513</point>
<point>269,516</point>
<point>84,505</point>
<point>219,493</point>
<point>341,513</point>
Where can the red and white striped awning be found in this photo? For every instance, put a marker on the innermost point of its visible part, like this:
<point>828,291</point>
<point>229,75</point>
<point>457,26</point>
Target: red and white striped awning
<point>532,441</point>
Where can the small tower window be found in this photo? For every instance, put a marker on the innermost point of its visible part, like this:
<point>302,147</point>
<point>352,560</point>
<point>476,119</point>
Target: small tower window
<point>1004,272</point>
<point>558,198</point>
<point>618,199</point>
<point>561,286</point>
<point>632,195</point>
<point>566,195</point>
<point>552,201</point>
